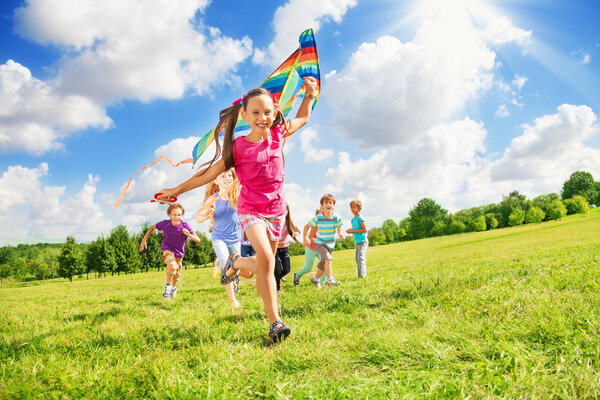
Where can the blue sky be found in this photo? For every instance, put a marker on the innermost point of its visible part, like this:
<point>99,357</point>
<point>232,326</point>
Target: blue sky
<point>460,101</point>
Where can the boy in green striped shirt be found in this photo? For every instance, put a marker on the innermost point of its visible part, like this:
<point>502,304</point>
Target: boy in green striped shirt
<point>322,234</point>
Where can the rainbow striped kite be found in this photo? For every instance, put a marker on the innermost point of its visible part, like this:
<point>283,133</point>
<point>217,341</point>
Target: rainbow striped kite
<point>285,85</point>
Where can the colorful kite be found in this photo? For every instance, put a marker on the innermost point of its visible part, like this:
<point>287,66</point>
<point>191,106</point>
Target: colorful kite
<point>285,85</point>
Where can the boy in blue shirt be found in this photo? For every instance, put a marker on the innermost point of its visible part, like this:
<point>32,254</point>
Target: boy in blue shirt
<point>359,231</point>
<point>324,227</point>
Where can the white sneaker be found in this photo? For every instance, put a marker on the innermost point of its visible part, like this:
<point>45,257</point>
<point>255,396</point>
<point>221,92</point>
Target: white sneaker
<point>315,281</point>
<point>332,282</point>
<point>167,293</point>
<point>173,292</point>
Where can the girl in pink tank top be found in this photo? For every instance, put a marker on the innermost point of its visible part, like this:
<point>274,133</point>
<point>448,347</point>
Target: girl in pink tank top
<point>258,162</point>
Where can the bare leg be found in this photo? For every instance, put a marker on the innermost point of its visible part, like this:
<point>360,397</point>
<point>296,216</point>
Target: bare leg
<point>262,265</point>
<point>231,295</point>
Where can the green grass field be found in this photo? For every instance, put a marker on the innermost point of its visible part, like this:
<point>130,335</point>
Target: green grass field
<point>512,313</point>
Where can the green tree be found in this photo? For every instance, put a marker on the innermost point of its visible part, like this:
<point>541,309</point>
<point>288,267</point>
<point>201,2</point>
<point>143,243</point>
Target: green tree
<point>556,210</point>
<point>580,183</point>
<point>390,230</point>
<point>5,271</point>
<point>491,221</point>
<point>534,215</point>
<point>199,253</point>
<point>577,205</point>
<point>424,216</point>
<point>509,204</point>
<point>479,224</point>
<point>152,256</point>
<point>70,261</point>
<point>544,202</point>
<point>456,227</point>
<point>516,217</point>
<point>126,250</point>
<point>376,237</point>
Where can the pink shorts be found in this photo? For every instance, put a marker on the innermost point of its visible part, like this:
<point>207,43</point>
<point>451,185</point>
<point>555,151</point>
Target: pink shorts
<point>274,225</point>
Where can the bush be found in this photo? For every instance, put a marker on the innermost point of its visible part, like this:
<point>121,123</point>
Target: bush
<point>516,217</point>
<point>456,227</point>
<point>556,210</point>
<point>534,215</point>
<point>478,224</point>
<point>577,205</point>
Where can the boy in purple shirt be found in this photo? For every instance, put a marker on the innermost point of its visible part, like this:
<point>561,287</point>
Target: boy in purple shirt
<point>175,232</point>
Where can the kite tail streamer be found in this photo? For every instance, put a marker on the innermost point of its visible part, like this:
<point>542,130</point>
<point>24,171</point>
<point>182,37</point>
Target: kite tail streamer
<point>188,160</point>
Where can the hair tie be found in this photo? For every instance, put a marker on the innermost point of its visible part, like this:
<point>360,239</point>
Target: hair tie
<point>239,101</point>
<point>275,103</point>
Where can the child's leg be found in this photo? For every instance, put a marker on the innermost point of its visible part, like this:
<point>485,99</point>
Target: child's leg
<point>327,269</point>
<point>283,254</point>
<point>325,254</point>
<point>222,251</point>
<point>278,272</point>
<point>170,265</point>
<point>309,259</point>
<point>263,265</point>
<point>177,273</point>
<point>361,258</point>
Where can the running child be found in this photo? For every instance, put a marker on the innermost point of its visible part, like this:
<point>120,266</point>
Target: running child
<point>258,161</point>
<point>310,253</point>
<point>175,232</point>
<point>325,226</point>
<point>359,231</point>
<point>226,230</point>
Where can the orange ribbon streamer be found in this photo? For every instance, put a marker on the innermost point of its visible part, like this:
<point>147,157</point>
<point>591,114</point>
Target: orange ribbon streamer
<point>186,161</point>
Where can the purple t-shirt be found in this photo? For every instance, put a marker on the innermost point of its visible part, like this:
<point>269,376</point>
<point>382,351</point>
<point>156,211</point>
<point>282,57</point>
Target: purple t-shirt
<point>173,236</point>
<point>259,167</point>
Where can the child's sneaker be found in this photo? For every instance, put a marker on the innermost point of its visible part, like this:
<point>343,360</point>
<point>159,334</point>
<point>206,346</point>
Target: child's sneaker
<point>167,292</point>
<point>279,331</point>
<point>173,292</point>
<point>315,281</point>
<point>332,282</point>
<point>296,280</point>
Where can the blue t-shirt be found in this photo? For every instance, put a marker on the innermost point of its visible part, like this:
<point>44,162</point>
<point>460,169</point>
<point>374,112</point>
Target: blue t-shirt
<point>227,224</point>
<point>356,224</point>
<point>173,236</point>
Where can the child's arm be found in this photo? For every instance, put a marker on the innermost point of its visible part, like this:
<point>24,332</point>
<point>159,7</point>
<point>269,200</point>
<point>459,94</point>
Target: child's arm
<point>143,244</point>
<point>201,178</point>
<point>363,228</point>
<point>305,109</point>
<point>340,234</point>
<point>295,231</point>
<point>192,236</point>
<point>304,237</point>
<point>313,234</point>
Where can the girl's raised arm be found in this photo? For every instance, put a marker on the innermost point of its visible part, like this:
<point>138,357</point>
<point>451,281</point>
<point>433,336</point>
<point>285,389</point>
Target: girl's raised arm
<point>201,178</point>
<point>305,109</point>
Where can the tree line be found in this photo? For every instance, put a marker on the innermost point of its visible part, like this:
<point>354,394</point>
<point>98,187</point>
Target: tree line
<point>118,252</point>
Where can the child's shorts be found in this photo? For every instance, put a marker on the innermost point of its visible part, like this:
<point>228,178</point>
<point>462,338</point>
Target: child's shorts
<point>274,225</point>
<point>326,254</point>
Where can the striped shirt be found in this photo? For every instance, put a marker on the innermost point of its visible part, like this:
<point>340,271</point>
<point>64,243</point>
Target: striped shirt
<point>326,229</point>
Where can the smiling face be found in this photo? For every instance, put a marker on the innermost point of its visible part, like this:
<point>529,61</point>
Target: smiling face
<point>176,214</point>
<point>224,180</point>
<point>259,113</point>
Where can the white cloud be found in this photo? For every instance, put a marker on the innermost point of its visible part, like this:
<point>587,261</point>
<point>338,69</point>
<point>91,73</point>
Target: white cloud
<point>34,117</point>
<point>111,51</point>
<point>519,81</point>
<point>33,212</point>
<point>500,30</point>
<point>391,92</point>
<point>308,136</point>
<point>502,111</point>
<point>551,149</point>
<point>293,18</point>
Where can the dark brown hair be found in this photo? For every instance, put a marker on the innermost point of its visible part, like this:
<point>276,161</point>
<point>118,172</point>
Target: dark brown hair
<point>228,117</point>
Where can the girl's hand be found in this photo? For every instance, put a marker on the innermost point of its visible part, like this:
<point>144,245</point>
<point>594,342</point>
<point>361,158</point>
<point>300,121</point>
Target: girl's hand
<point>342,236</point>
<point>306,242</point>
<point>167,194</point>
<point>310,84</point>
<point>143,246</point>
